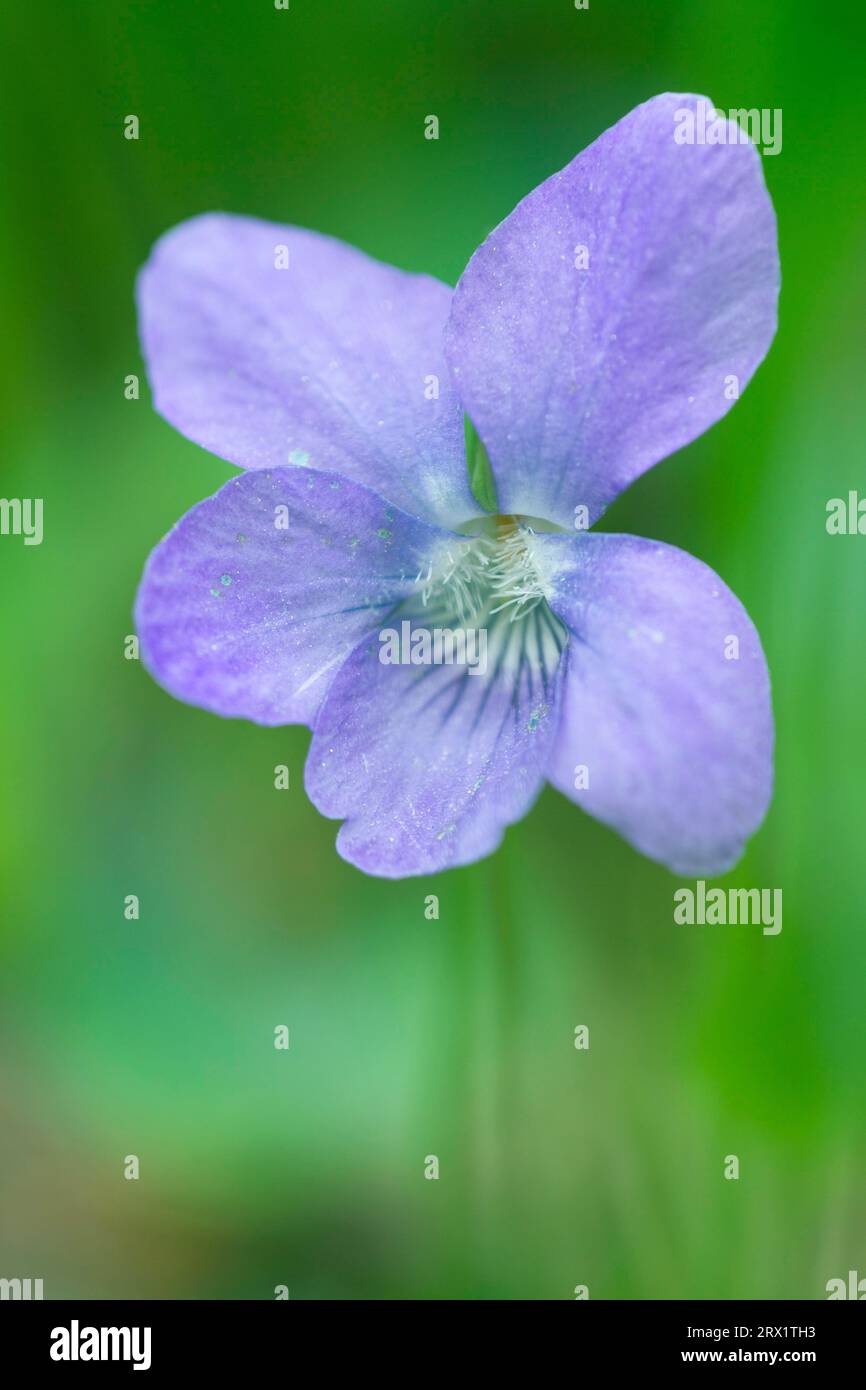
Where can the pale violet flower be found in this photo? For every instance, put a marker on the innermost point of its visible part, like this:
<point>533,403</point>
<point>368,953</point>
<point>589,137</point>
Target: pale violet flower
<point>609,320</point>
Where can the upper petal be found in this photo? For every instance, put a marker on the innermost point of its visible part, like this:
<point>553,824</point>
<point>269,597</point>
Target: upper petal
<point>251,603</point>
<point>272,345</point>
<point>666,705</point>
<point>429,764</point>
<point>616,313</point>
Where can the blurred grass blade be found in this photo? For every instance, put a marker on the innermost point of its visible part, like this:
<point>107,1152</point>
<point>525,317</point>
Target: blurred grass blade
<point>481,480</point>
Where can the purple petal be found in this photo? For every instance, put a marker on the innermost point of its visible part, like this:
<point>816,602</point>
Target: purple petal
<point>666,701</point>
<point>429,764</point>
<point>331,361</point>
<point>249,618</point>
<point>579,379</point>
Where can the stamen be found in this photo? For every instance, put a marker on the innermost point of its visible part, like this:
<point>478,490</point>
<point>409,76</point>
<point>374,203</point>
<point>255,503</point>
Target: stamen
<point>488,574</point>
<point>490,581</point>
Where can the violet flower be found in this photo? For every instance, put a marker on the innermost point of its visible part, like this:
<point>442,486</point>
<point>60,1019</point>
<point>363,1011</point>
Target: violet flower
<point>609,320</point>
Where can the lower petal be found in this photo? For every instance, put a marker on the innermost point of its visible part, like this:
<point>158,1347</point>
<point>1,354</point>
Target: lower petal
<point>429,763</point>
<point>666,731</point>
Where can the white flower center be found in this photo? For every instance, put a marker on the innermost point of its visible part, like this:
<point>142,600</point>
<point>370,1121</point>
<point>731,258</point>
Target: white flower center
<point>492,582</point>
<point>490,573</point>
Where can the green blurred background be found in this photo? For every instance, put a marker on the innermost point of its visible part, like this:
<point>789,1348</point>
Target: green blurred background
<point>409,1037</point>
